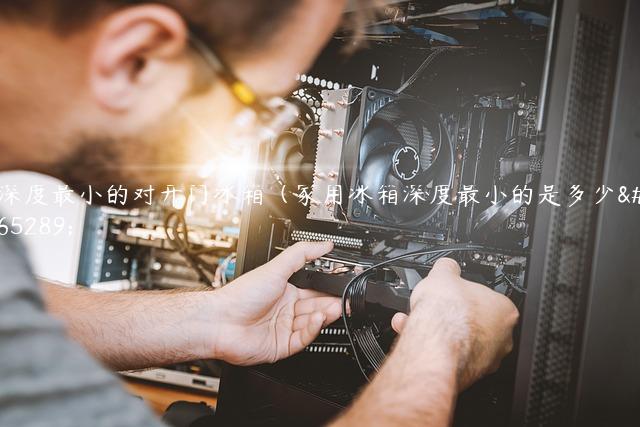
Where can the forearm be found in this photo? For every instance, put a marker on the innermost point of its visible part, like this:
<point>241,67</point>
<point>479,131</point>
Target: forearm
<point>130,330</point>
<point>406,392</point>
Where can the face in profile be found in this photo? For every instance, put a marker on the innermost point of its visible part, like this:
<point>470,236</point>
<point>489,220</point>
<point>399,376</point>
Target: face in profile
<point>157,111</point>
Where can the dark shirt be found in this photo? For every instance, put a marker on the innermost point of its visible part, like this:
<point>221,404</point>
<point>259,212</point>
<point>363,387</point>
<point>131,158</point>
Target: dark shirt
<point>45,378</point>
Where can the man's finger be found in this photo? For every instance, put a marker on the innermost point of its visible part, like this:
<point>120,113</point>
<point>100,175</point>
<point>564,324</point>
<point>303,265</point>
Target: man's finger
<point>300,322</point>
<point>306,333</point>
<point>295,257</point>
<point>310,293</point>
<point>445,266</point>
<point>333,310</point>
<point>306,306</point>
<point>398,321</point>
<point>330,307</point>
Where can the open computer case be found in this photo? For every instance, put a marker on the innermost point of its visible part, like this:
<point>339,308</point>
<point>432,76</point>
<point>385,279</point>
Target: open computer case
<point>495,95</point>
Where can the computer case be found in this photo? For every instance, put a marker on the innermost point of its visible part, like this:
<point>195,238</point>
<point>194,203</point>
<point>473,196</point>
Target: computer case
<point>575,361</point>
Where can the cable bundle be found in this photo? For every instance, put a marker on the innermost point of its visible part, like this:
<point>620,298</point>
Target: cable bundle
<point>360,331</point>
<point>177,231</point>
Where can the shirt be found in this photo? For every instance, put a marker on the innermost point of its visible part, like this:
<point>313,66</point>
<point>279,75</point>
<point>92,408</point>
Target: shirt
<point>46,379</point>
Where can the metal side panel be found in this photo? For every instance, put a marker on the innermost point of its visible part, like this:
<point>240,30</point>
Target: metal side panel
<point>608,389</point>
<point>577,128</point>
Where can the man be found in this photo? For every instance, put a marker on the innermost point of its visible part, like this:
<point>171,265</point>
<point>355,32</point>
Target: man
<point>111,91</point>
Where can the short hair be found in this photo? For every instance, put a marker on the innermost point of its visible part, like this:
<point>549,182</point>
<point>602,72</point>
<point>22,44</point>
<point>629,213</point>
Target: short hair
<point>227,25</point>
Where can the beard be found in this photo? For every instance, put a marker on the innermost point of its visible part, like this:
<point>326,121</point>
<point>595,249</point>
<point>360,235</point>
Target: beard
<point>157,158</point>
<point>168,153</point>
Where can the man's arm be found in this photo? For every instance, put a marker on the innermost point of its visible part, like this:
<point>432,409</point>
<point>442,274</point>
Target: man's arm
<point>457,332</point>
<point>257,318</point>
<point>130,330</point>
<point>411,389</point>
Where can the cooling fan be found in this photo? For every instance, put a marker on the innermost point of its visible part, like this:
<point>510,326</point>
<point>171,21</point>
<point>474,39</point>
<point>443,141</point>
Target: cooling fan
<point>397,144</point>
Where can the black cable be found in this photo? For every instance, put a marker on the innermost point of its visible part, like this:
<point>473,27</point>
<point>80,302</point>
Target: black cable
<point>368,346</point>
<point>422,68</point>
<point>180,246</point>
<point>364,335</point>
<point>178,236</point>
<point>347,328</point>
<point>513,285</point>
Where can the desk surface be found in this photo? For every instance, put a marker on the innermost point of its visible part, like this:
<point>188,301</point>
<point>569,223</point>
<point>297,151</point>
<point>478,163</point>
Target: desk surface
<point>160,396</point>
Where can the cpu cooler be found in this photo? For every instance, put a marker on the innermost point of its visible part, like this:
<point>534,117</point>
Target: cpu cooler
<point>400,144</point>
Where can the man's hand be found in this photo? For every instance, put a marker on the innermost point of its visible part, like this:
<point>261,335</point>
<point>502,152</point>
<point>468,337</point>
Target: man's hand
<point>477,321</point>
<point>264,318</point>
<point>457,332</point>
<point>257,318</point>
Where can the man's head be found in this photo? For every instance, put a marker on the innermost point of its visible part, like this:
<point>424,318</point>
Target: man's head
<point>108,92</point>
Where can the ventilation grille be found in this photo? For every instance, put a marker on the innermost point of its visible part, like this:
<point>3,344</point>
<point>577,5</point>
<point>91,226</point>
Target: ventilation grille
<point>569,253</point>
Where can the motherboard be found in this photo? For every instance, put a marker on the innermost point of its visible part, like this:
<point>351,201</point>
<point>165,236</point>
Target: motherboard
<point>422,146</point>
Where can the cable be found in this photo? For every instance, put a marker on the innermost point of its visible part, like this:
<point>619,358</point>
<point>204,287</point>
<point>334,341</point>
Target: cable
<point>177,231</point>
<point>449,10</point>
<point>178,236</point>
<point>513,285</point>
<point>425,64</point>
<point>354,294</point>
<point>220,277</point>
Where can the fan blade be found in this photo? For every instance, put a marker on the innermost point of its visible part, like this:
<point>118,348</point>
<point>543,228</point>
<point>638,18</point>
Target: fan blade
<point>441,169</point>
<point>405,212</point>
<point>297,171</point>
<point>412,115</point>
<point>378,132</point>
<point>288,161</point>
<point>374,174</point>
<point>285,144</point>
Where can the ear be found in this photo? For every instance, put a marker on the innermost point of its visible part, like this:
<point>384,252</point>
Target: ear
<point>131,47</point>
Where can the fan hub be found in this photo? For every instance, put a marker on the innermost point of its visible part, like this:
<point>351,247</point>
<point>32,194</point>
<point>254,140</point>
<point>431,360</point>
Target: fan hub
<point>406,163</point>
